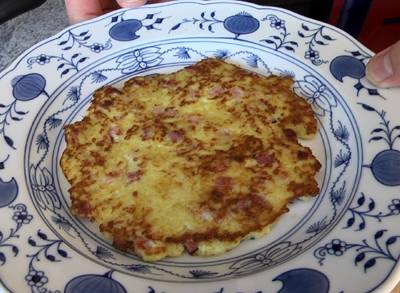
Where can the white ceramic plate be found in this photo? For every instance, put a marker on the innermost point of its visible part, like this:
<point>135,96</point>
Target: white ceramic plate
<point>346,240</point>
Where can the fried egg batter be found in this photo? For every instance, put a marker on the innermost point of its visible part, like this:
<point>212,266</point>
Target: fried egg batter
<point>195,160</point>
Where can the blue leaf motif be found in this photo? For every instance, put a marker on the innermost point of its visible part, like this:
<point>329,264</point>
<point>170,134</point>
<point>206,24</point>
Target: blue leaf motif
<point>98,77</point>
<point>370,263</point>
<point>103,252</point>
<point>342,132</point>
<point>2,258</point>
<point>288,48</point>
<point>361,200</point>
<point>140,268</point>
<point>9,141</point>
<point>54,122</point>
<point>42,235</point>
<point>367,107</point>
<point>350,222</point>
<point>62,252</point>
<point>221,54</point>
<point>391,240</point>
<point>175,27</point>
<point>359,257</point>
<point>379,234</point>
<point>182,54</point>
<point>51,257</point>
<point>202,274</point>
<point>252,61</point>
<point>305,27</point>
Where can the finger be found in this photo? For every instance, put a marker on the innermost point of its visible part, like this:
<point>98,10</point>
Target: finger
<point>158,1</point>
<point>109,5</point>
<point>78,10</point>
<point>131,3</point>
<point>383,70</point>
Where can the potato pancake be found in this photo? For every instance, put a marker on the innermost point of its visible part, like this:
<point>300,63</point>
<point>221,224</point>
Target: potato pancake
<point>196,160</point>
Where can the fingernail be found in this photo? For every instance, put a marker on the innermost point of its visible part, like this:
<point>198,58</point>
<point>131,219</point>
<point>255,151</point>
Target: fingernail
<point>380,68</point>
<point>133,1</point>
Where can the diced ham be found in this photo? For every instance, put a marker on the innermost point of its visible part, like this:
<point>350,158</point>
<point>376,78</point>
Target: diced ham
<point>193,94</point>
<point>243,203</point>
<point>290,134</point>
<point>301,155</point>
<point>223,183</point>
<point>216,91</point>
<point>194,119</point>
<point>143,243</point>
<point>114,133</point>
<point>134,176</point>
<point>83,207</point>
<point>158,110</point>
<point>170,112</point>
<point>237,93</point>
<point>148,133</point>
<point>175,136</point>
<point>191,246</point>
<point>111,176</point>
<point>265,159</point>
<point>217,166</point>
<point>114,174</point>
<point>191,69</point>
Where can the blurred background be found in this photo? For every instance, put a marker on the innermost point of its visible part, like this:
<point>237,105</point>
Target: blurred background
<point>376,23</point>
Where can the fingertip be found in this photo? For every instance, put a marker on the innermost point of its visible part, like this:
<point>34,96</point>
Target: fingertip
<point>383,70</point>
<point>78,10</point>
<point>131,3</point>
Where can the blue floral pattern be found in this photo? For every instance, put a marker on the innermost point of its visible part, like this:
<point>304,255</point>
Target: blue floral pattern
<point>385,166</point>
<point>66,65</point>
<point>364,208</point>
<point>317,94</point>
<point>279,41</point>
<point>315,37</point>
<point>139,59</point>
<point>46,250</point>
<point>366,253</point>
<point>20,217</point>
<point>242,23</point>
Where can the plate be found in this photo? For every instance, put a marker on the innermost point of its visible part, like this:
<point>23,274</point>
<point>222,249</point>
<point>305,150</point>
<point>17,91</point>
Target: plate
<point>345,240</point>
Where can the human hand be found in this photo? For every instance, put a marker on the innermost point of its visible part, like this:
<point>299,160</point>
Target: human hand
<point>383,70</point>
<point>79,10</point>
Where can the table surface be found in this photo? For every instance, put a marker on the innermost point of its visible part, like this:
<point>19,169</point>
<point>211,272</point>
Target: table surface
<point>24,31</point>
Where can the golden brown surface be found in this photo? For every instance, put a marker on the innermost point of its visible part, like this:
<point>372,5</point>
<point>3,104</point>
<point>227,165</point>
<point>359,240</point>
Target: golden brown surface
<point>198,159</point>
